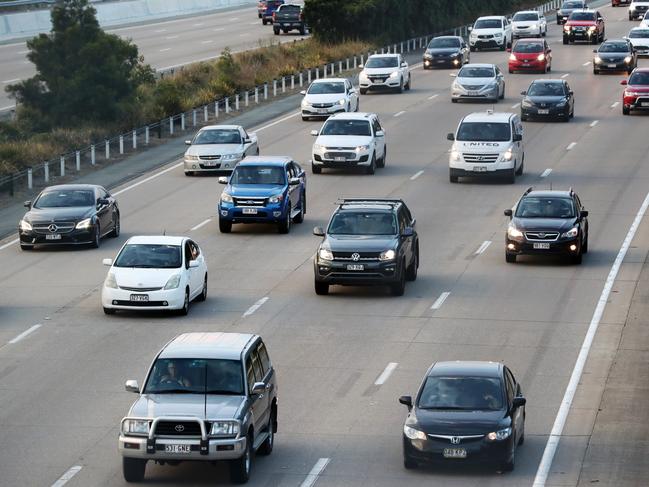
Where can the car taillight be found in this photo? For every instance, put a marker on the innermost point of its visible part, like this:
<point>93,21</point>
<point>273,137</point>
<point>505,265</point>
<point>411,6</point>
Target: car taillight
<point>274,15</point>
<point>301,16</point>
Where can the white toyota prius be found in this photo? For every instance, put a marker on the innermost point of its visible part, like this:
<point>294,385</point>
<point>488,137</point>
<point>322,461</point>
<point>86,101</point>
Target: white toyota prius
<point>155,273</point>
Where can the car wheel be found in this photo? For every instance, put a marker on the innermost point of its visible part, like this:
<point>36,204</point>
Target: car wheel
<point>263,21</point>
<point>511,71</point>
<point>96,239</point>
<point>116,226</point>
<point>626,110</point>
<point>502,97</point>
<point>305,119</point>
<point>511,177</point>
<point>584,246</point>
<point>572,113</point>
<point>240,468</point>
<point>521,440</point>
<point>381,162</point>
<point>408,463</point>
<point>358,105</point>
<point>453,100</point>
<point>302,31</point>
<point>400,88</point>
<point>565,41</point>
<point>225,226</point>
<point>549,67</point>
<point>109,311</point>
<point>299,218</point>
<point>26,247</point>
<point>510,258</point>
<point>508,465</point>
<point>266,447</point>
<point>595,71</point>
<point>372,167</point>
<point>452,179</point>
<point>472,49</point>
<point>576,259</point>
<point>285,226</point>
<point>409,84</point>
<point>133,469</point>
<point>316,169</point>
<point>321,288</point>
<point>185,309</point>
<point>203,295</point>
<point>363,91</point>
<point>412,268</point>
<point>503,47</point>
<point>399,287</point>
<point>519,172</point>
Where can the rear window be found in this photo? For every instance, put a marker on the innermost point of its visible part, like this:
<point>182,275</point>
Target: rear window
<point>484,132</point>
<point>289,8</point>
<point>522,17</point>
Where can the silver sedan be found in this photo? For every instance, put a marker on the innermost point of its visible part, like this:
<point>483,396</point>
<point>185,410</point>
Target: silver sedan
<point>478,82</point>
<point>218,149</point>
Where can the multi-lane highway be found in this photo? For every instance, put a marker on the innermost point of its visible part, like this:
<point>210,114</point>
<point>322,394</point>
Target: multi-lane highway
<point>63,363</point>
<point>165,43</point>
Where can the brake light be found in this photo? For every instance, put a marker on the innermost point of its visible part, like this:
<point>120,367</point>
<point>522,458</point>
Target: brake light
<point>274,15</point>
<point>301,16</point>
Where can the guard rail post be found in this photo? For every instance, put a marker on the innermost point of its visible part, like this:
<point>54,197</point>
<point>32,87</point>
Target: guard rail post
<point>216,109</point>
<point>283,84</point>
<point>245,98</point>
<point>77,160</point>
<point>171,125</point>
<point>92,155</point>
<point>62,166</point>
<point>274,88</point>
<point>292,82</point>
<point>308,76</point>
<point>182,122</point>
<point>227,105</point>
<point>146,135</point>
<point>317,72</point>
<point>107,149</point>
<point>347,64</point>
<point>265,91</point>
<point>256,94</point>
<point>121,144</point>
<point>206,116</point>
<point>301,79</point>
<point>236,102</point>
<point>355,63</point>
<point>324,73</point>
<point>134,139</point>
<point>30,179</point>
<point>194,117</point>
<point>46,171</point>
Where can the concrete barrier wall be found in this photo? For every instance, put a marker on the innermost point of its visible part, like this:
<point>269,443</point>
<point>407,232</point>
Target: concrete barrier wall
<point>28,24</point>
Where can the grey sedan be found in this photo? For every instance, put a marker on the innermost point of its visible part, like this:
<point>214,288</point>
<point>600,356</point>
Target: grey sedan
<point>478,82</point>
<point>218,149</point>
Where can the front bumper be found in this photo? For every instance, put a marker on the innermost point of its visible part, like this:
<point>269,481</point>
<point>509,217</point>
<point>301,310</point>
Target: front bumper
<point>487,94</point>
<point>478,450</point>
<point>580,35</point>
<point>491,42</point>
<point>310,111</point>
<point>74,237</point>
<point>545,112</point>
<point>442,62</point>
<point>560,247</point>
<point>379,83</point>
<point>531,65</point>
<point>341,159</point>
<point>374,273</point>
<point>528,32</point>
<point>612,66</point>
<point>217,449</point>
<point>264,214</point>
<point>121,299</point>
<point>213,167</point>
<point>636,102</point>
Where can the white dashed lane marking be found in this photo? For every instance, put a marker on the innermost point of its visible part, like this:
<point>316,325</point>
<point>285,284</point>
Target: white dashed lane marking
<point>440,301</point>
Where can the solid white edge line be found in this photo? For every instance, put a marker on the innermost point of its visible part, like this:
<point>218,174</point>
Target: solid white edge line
<point>586,63</point>
<point>416,175</point>
<point>203,223</point>
<point>9,244</point>
<point>440,301</point>
<point>63,479</point>
<point>398,114</point>
<point>565,75</point>
<point>165,49</point>
<point>571,146</point>
<point>11,80</point>
<point>146,180</point>
<point>594,122</point>
<point>562,415</point>
<point>546,173</point>
<point>615,104</point>
<point>255,306</point>
<point>8,107</point>
<point>272,124</point>
<point>317,469</point>
<point>385,375</point>
<point>483,247</point>
<point>25,334</point>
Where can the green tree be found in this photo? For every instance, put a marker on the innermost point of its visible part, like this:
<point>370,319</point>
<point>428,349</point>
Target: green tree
<point>82,73</point>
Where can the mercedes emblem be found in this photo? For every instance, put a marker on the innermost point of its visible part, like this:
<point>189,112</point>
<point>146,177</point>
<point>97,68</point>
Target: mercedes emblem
<point>52,228</point>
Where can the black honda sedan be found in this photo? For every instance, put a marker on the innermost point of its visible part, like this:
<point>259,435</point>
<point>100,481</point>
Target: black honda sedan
<point>548,98</point>
<point>69,214</point>
<point>447,52</point>
<point>465,412</point>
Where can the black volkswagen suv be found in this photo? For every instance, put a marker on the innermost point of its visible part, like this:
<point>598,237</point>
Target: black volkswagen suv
<point>368,242</point>
<point>547,223</point>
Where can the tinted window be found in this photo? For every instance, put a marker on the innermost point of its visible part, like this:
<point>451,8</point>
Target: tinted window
<point>639,34</point>
<point>484,132</point>
<point>525,17</point>
<point>614,47</point>
<point>582,16</point>
<point>259,373</point>
<point>382,62</point>
<point>471,393</point>
<point>444,42</point>
<point>195,376</point>
<point>524,47</point>
<point>639,78</point>
<point>258,175</point>
<point>488,24</point>
<point>368,223</point>
<point>65,198</point>
<point>476,72</point>
<point>569,5</point>
<point>545,89</point>
<point>263,357</point>
<point>326,87</point>
<point>346,127</point>
<point>150,256</point>
<point>250,374</point>
<point>289,8</point>
<point>220,136</point>
<point>548,207</point>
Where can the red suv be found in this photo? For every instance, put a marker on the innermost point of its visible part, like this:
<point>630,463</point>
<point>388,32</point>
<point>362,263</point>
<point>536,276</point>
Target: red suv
<point>584,25</point>
<point>530,55</point>
<point>617,3</point>
<point>636,93</point>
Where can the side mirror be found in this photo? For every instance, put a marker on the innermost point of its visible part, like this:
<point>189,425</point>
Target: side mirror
<point>361,66</point>
<point>294,181</point>
<point>408,232</point>
<point>524,93</point>
<point>583,213</point>
<point>188,142</point>
<point>380,133</point>
<point>624,82</point>
<point>247,141</point>
<point>406,401</point>
<point>102,202</point>
<point>404,64</point>
<point>470,28</point>
<point>595,50</point>
<point>517,137</point>
<point>193,264</point>
<point>549,51</point>
<point>315,133</point>
<point>258,388</point>
<point>223,180</point>
<point>303,92</point>
<point>132,386</point>
<point>27,204</point>
<point>453,75</point>
<point>508,212</point>
<point>107,262</point>
<point>318,231</point>
<point>450,137</point>
<point>518,402</point>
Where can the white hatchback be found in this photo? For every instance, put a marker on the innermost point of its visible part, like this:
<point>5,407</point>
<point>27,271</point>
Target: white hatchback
<point>529,23</point>
<point>328,96</point>
<point>155,273</point>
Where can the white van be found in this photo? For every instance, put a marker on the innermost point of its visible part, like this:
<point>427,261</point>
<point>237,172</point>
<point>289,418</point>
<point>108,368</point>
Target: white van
<point>487,144</point>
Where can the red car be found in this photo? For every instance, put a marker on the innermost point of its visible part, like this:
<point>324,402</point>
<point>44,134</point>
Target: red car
<point>261,8</point>
<point>636,93</point>
<point>617,3</point>
<point>530,55</point>
<point>584,25</point>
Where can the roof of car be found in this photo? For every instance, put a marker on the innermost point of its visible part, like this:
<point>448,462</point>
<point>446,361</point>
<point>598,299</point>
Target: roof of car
<point>642,70</point>
<point>207,345</point>
<point>490,17</point>
<point>527,12</point>
<point>224,127</point>
<point>384,55</point>
<point>488,115</point>
<point>382,204</point>
<point>447,37</point>
<point>544,193</point>
<point>530,40</point>
<point>156,239</point>
<point>365,206</point>
<point>479,65</point>
<point>543,80</point>
<point>266,160</point>
<point>328,80</point>
<point>467,368</point>
<point>352,115</point>
<point>71,186</point>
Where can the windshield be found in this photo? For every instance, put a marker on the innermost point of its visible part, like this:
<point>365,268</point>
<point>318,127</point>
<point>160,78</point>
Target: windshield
<point>258,175</point>
<point>65,198</point>
<point>195,376</point>
<point>571,5</point>
<point>536,207</point>
<point>476,72</point>
<point>525,47</point>
<point>525,17</point>
<point>382,62</point>
<point>582,16</point>
<point>347,127</point>
<point>483,132</point>
<point>471,393</point>
<point>368,223</point>
<point>639,78</point>
<point>289,8</point>
<point>639,34</point>
<point>151,256</point>
<point>220,136</point>
<point>326,87</point>
<point>444,42</point>
<point>488,24</point>
<point>614,47</point>
<point>545,89</point>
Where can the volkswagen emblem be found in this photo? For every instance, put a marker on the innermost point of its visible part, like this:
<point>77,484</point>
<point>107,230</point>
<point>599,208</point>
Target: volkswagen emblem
<point>356,256</point>
<point>455,440</point>
<point>180,428</point>
<point>52,228</point>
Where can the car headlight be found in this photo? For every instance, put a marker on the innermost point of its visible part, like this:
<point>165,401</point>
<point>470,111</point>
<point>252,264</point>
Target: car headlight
<point>173,282</point>
<point>512,57</point>
<point>305,103</point>
<point>507,156</point>
<point>394,75</point>
<point>457,86</point>
<point>498,34</point>
<point>591,29</point>
<point>413,434</point>
<point>527,104</point>
<point>499,435</point>
<point>362,148</point>
<point>226,198</point>
<point>278,198</point>
<point>627,59</point>
<point>562,103</point>
<point>631,93</point>
<point>342,102</point>
<point>566,28</point>
<point>541,57</point>
<point>455,155</point>
<point>232,157</point>
<point>325,254</point>
<point>25,226</point>
<point>513,232</point>
<point>224,428</point>
<point>570,233</point>
<point>428,55</point>
<point>598,60</point>
<point>135,427</point>
<point>387,255</point>
<point>191,158</point>
<point>362,75</point>
<point>84,224</point>
<point>110,281</point>
<point>318,147</point>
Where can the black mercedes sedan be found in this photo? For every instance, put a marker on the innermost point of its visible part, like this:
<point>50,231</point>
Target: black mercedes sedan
<point>465,412</point>
<point>446,52</point>
<point>69,214</point>
<point>615,55</point>
<point>548,98</point>
<point>547,222</point>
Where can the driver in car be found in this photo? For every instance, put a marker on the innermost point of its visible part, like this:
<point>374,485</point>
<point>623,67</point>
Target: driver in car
<point>173,377</point>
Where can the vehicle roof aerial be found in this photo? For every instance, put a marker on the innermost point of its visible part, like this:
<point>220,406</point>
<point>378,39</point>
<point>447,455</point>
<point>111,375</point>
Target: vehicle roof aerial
<point>503,117</point>
<point>466,368</point>
<point>156,240</point>
<point>265,160</point>
<point>207,345</point>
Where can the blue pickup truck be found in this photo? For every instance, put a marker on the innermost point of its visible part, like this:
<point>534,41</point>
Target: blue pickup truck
<point>263,189</point>
<point>269,10</point>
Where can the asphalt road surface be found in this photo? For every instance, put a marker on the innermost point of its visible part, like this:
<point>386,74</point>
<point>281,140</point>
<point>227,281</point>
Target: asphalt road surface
<point>61,384</point>
<point>165,43</point>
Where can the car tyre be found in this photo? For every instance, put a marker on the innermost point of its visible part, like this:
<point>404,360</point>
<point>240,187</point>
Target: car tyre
<point>408,463</point>
<point>133,469</point>
<point>510,258</point>
<point>577,259</point>
<point>409,84</point>
<point>203,295</point>
<point>116,226</point>
<point>565,41</point>
<point>399,89</point>
<point>305,119</point>
<point>285,226</point>
<point>381,162</point>
<point>321,288</point>
<point>185,309</point>
<point>109,311</point>
<point>189,173</point>
<point>584,246</point>
<point>502,97</point>
<point>508,465</point>
<point>26,247</point>
<point>240,468</point>
<point>299,218</point>
<point>595,71</point>
<point>511,177</point>
<point>399,287</point>
<point>511,71</point>
<point>225,226</point>
<point>626,110</point>
<point>453,100</point>
<point>371,169</point>
<point>519,171</point>
<point>316,169</point>
<point>266,447</point>
<point>472,49</point>
<point>96,239</point>
<point>452,179</point>
<point>363,91</point>
<point>411,274</point>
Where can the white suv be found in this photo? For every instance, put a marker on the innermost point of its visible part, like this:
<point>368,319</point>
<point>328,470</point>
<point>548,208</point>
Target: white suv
<point>349,140</point>
<point>529,23</point>
<point>487,144</point>
<point>638,8</point>
<point>384,72</point>
<point>489,32</point>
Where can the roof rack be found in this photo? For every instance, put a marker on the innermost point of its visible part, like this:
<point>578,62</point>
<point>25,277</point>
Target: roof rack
<point>388,201</point>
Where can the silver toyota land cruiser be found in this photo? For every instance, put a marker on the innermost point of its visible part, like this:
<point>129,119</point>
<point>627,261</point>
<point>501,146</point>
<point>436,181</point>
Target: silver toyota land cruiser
<point>206,397</point>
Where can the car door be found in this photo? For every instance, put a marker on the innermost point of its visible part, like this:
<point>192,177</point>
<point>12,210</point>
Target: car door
<point>104,211</point>
<point>403,67</point>
<point>352,96</point>
<point>500,79</point>
<point>259,401</point>
<point>584,221</point>
<point>569,96</point>
<point>408,243</point>
<point>293,190</point>
<point>268,376</point>
<point>198,274</point>
<point>518,415</point>
<point>379,141</point>
<point>548,53</point>
<point>189,271</point>
<point>465,52</point>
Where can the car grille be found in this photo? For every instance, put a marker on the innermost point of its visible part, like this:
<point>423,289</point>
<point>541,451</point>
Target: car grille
<point>53,227</point>
<point>641,8</point>
<point>473,87</point>
<point>210,158</point>
<point>462,439</point>
<point>334,155</point>
<point>249,201</point>
<point>362,256</point>
<point>542,236</point>
<point>480,157</point>
<point>140,289</point>
<point>486,37</point>
<point>171,428</point>
<point>139,304</point>
<point>322,105</point>
<point>376,78</point>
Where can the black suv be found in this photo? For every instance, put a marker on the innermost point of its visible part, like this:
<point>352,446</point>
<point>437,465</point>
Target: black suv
<point>547,223</point>
<point>368,242</point>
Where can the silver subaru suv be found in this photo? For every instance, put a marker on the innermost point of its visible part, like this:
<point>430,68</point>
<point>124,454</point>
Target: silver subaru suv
<point>206,397</point>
